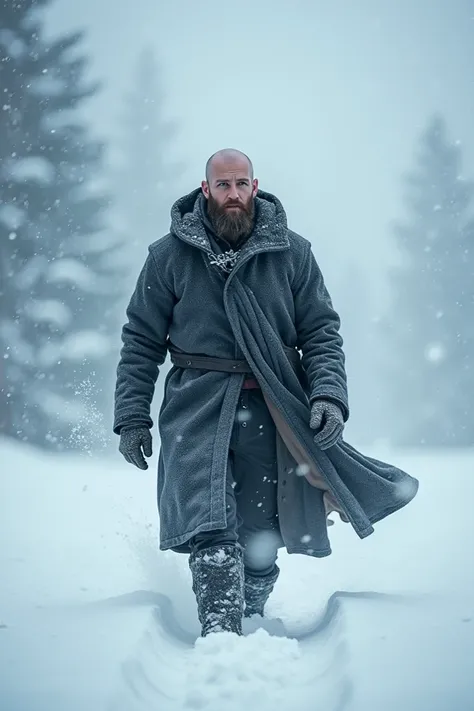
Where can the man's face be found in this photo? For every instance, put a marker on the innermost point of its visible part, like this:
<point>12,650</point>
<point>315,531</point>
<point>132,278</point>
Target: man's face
<point>230,193</point>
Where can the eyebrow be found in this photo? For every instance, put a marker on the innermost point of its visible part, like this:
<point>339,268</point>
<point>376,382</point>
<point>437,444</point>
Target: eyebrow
<point>226,180</point>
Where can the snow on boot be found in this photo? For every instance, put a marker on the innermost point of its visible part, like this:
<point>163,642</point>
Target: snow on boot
<point>218,583</point>
<point>257,591</point>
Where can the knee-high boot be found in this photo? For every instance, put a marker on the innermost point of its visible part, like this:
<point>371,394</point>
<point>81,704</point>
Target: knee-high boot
<point>257,591</point>
<point>218,583</point>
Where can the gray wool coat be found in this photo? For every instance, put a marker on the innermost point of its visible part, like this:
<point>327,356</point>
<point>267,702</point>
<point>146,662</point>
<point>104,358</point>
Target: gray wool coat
<point>274,296</point>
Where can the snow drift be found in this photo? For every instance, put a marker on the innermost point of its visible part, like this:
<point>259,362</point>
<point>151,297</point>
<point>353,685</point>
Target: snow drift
<point>93,616</point>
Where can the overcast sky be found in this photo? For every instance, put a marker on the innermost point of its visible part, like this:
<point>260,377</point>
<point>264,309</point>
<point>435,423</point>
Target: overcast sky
<point>327,98</point>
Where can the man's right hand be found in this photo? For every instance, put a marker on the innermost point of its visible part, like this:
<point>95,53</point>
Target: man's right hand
<point>133,440</point>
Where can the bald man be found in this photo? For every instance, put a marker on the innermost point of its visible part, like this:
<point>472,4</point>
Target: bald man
<point>251,453</point>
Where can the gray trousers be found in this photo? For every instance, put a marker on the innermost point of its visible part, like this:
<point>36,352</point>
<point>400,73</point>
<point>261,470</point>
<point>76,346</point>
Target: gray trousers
<point>251,489</point>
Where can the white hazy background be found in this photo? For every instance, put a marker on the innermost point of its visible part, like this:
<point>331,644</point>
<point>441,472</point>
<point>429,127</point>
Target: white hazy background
<point>328,99</point>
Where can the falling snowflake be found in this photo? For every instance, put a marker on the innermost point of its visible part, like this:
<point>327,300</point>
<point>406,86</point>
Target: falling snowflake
<point>435,352</point>
<point>302,469</point>
<point>243,415</point>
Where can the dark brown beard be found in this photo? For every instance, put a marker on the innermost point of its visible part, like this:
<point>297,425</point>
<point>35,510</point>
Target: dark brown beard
<point>231,224</point>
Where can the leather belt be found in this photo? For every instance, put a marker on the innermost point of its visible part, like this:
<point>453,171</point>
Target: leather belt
<point>225,365</point>
<point>186,360</point>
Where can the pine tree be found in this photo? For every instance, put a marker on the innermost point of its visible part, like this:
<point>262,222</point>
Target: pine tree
<point>429,330</point>
<point>145,176</point>
<point>56,289</point>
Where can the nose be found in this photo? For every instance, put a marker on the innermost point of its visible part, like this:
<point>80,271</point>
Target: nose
<point>234,193</point>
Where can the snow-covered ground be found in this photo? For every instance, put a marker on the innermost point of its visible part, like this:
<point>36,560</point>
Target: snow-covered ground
<point>93,617</point>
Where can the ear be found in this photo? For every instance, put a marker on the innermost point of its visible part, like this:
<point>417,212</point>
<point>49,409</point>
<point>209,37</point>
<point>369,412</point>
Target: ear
<point>254,187</point>
<point>205,188</point>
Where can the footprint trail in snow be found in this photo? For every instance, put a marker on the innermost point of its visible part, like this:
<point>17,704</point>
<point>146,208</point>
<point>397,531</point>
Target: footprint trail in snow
<point>223,672</point>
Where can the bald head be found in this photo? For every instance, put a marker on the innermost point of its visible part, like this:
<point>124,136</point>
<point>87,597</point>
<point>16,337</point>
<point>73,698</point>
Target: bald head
<point>230,190</point>
<point>228,158</point>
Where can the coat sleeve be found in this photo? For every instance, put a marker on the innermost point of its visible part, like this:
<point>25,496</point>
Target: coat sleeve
<point>317,325</point>
<point>144,338</point>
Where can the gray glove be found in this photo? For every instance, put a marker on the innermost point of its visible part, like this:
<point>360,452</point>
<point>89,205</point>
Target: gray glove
<point>134,439</point>
<point>327,416</point>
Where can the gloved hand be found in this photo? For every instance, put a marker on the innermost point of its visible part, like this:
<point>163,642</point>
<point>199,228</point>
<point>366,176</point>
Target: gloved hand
<point>133,439</point>
<point>329,417</point>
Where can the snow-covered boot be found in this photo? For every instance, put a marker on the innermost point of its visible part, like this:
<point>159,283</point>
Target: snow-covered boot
<point>218,583</point>
<point>257,591</point>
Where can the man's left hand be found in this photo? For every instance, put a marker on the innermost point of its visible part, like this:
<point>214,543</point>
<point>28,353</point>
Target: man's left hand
<point>326,417</point>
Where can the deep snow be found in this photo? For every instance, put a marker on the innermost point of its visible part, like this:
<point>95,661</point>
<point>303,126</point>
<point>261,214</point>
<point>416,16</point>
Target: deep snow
<point>93,616</point>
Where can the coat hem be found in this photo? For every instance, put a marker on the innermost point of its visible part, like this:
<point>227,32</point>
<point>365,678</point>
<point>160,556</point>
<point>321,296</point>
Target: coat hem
<point>400,505</point>
<point>305,551</point>
<point>182,542</point>
<point>183,539</point>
